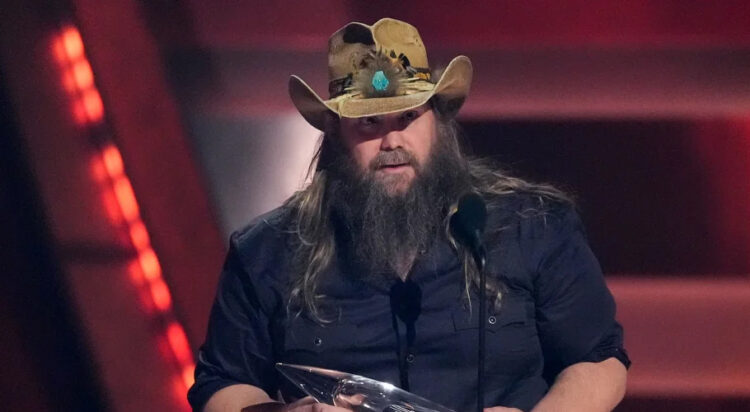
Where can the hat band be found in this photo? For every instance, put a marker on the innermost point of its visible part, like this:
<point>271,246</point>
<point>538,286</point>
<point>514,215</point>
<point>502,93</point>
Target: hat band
<point>340,86</point>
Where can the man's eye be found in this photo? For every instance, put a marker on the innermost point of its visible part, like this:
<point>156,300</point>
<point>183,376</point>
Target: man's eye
<point>368,121</point>
<point>410,115</point>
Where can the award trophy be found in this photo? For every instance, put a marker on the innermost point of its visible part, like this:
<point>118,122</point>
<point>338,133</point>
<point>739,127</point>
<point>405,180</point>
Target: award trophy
<point>355,392</point>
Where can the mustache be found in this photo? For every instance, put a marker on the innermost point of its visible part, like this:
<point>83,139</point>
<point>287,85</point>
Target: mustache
<point>394,157</point>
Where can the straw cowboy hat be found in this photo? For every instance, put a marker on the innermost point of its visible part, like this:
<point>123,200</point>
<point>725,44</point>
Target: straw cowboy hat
<point>379,69</point>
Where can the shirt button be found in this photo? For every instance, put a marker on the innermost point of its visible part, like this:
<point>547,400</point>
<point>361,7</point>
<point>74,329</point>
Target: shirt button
<point>492,320</point>
<point>410,358</point>
<point>318,341</point>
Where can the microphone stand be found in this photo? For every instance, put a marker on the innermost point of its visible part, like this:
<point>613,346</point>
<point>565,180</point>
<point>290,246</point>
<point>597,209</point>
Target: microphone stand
<point>467,223</point>
<point>478,252</point>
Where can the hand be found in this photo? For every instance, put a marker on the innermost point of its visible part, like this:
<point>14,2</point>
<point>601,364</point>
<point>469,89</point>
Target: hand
<point>501,409</point>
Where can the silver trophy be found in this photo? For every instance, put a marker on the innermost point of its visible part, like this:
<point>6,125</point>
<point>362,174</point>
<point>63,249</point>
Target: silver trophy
<point>355,392</point>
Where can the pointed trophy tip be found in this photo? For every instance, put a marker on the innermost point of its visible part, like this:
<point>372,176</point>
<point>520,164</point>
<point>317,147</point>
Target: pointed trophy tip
<point>287,366</point>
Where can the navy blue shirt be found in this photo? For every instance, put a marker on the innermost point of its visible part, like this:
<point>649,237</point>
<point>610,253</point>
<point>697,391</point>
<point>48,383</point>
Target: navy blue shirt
<point>556,311</point>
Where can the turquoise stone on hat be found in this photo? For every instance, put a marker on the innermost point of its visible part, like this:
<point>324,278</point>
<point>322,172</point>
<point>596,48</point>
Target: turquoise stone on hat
<point>379,81</point>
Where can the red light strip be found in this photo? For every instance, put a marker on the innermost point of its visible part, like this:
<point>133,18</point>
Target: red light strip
<point>77,76</point>
<point>120,202</point>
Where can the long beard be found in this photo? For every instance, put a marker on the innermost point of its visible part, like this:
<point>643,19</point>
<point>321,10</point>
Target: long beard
<point>379,231</point>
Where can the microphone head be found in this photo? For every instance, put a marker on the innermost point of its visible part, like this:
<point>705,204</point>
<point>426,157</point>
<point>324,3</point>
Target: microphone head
<point>469,218</point>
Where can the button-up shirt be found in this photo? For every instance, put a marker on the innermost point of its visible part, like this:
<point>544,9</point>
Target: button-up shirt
<point>555,311</point>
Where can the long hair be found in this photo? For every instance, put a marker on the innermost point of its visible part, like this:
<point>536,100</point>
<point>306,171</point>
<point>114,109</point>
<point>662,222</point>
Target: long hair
<point>314,233</point>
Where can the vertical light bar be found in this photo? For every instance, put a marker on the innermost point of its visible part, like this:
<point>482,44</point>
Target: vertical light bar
<point>119,201</point>
<point>145,270</point>
<point>77,77</point>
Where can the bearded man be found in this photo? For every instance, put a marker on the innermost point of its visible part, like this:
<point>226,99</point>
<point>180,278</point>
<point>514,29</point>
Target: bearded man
<point>358,272</point>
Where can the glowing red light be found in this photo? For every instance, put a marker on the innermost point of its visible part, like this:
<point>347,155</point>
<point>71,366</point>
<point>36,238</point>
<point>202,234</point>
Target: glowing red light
<point>121,205</point>
<point>188,375</point>
<point>92,102</point>
<point>77,76</point>
<point>126,199</point>
<point>72,42</point>
<point>179,343</point>
<point>149,264</point>
<point>139,236</point>
<point>84,77</point>
<point>112,160</point>
<point>160,295</point>
<point>180,391</point>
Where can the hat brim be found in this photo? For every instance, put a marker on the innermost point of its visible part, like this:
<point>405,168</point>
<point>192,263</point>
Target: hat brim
<point>452,88</point>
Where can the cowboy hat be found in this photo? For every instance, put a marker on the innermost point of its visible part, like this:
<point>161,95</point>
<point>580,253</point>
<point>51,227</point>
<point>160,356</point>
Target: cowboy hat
<point>380,69</point>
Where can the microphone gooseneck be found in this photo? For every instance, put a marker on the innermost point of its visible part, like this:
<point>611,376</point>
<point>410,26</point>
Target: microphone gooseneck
<point>467,225</point>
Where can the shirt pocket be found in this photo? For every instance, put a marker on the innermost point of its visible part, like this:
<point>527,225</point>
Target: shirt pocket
<point>304,335</point>
<point>512,329</point>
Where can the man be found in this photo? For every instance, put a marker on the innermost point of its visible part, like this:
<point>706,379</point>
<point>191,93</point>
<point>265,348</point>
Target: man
<point>358,272</point>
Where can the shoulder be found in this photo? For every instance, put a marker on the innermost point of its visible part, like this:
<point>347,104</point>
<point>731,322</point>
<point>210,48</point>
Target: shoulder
<point>267,224</point>
<point>529,229</point>
<point>263,241</point>
<point>532,215</point>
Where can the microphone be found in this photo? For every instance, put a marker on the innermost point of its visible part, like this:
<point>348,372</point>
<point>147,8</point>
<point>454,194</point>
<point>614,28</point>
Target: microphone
<point>467,225</point>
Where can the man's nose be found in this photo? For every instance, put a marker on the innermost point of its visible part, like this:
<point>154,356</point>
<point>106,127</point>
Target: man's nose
<point>392,140</point>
